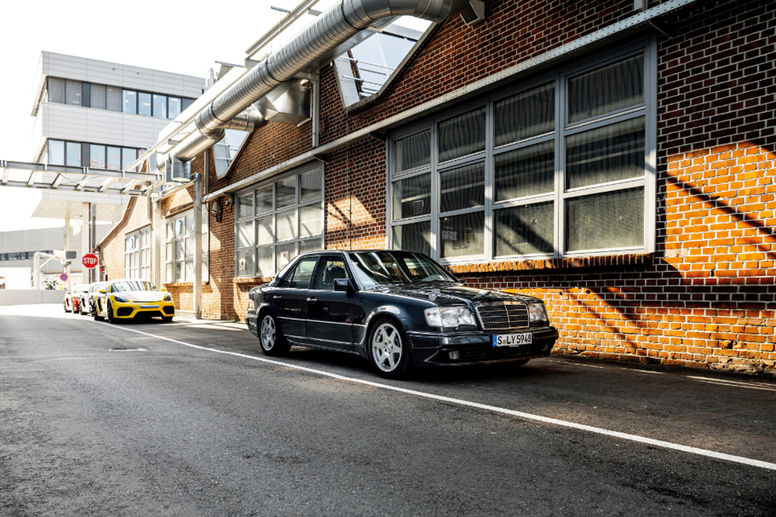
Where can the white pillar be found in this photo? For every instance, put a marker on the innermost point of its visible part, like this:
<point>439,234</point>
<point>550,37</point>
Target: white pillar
<point>197,244</point>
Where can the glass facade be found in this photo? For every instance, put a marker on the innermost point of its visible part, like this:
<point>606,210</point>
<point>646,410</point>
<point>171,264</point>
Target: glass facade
<point>112,98</point>
<point>179,247</point>
<point>554,167</point>
<point>277,221</point>
<point>97,156</point>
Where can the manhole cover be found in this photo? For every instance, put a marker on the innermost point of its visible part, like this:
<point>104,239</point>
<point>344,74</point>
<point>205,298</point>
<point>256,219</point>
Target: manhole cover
<point>127,349</point>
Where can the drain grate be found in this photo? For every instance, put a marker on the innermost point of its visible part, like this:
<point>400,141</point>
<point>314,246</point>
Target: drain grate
<point>127,349</point>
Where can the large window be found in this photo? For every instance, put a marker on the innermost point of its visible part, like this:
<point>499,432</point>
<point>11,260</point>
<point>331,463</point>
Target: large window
<point>277,221</point>
<point>559,166</point>
<point>112,98</point>
<point>179,247</point>
<point>79,154</point>
<point>137,254</point>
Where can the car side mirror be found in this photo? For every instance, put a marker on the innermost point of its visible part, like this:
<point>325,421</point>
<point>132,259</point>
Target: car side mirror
<point>163,289</point>
<point>343,284</point>
<point>103,291</point>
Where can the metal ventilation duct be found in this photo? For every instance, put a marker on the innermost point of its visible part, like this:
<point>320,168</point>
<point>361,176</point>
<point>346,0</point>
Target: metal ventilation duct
<point>330,30</point>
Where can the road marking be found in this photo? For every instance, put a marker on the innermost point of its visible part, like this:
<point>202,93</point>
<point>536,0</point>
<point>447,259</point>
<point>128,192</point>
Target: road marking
<point>735,384</point>
<point>486,407</point>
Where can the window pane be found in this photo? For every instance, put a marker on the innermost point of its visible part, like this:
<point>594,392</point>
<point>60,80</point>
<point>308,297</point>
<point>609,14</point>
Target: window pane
<point>413,237</point>
<point>245,262</point>
<point>114,98</point>
<point>128,156</point>
<point>302,274</point>
<point>56,90</point>
<point>180,249</point>
<point>160,106</point>
<point>129,101</point>
<point>266,261</point>
<point>526,171</point>
<point>462,135</point>
<point>286,225</point>
<point>73,154</point>
<point>527,114</point>
<point>310,221</point>
<point>97,156</point>
<point>56,152</point>
<point>412,197</point>
<point>265,232</point>
<point>463,187</point>
<point>608,220</point>
<point>114,158</point>
<point>606,89</point>
<point>245,205</point>
<point>73,92</point>
<point>524,229</point>
<point>605,154</point>
<point>285,193</point>
<point>264,200</point>
<point>310,245</point>
<point>413,151</point>
<point>173,107</point>
<point>462,235</point>
<point>310,186</point>
<point>185,103</point>
<point>99,96</point>
<point>245,236</point>
<point>144,103</point>
<point>284,254</point>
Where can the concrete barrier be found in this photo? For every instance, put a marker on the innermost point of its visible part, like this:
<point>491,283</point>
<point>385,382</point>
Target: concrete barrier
<point>30,296</point>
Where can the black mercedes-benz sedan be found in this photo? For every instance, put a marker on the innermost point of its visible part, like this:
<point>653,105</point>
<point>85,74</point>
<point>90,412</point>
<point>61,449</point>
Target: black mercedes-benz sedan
<point>398,309</point>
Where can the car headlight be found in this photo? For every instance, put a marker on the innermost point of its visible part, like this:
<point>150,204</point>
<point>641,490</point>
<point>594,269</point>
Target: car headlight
<point>537,312</point>
<point>449,317</point>
<point>119,299</point>
<point>168,297</point>
<point>251,305</point>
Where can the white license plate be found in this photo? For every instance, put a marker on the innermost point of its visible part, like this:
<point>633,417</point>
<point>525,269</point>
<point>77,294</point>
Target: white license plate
<point>512,339</point>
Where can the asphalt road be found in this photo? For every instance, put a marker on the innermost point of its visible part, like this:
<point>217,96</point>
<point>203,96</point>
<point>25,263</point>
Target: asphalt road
<point>189,419</point>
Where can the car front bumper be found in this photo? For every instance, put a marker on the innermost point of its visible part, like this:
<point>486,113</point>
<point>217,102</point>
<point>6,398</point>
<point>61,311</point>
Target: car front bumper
<point>474,347</point>
<point>131,310</point>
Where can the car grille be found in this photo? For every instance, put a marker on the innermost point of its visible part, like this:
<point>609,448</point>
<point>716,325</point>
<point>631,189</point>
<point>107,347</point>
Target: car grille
<point>502,315</point>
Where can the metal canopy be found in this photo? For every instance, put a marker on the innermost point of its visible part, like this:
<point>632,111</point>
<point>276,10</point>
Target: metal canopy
<point>77,179</point>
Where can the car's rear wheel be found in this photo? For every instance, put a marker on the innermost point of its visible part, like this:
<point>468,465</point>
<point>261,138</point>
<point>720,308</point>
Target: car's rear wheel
<point>271,336</point>
<point>389,349</point>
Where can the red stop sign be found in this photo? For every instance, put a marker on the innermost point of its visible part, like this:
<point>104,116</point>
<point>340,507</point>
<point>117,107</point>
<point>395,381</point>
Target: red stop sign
<point>89,260</point>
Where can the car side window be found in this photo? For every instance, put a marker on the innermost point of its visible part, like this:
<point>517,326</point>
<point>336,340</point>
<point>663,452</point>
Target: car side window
<point>300,276</point>
<point>331,269</point>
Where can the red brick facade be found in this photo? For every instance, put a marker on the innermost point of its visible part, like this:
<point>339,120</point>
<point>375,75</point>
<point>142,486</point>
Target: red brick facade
<point>704,298</point>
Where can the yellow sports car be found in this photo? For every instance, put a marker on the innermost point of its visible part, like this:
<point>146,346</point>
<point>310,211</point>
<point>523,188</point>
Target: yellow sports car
<point>127,299</point>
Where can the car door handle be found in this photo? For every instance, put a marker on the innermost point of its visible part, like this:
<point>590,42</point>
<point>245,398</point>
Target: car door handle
<point>312,300</point>
<point>277,296</point>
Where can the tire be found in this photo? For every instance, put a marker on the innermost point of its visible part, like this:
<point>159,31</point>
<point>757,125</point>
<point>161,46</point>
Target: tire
<point>521,362</point>
<point>95,314</point>
<point>389,352</point>
<point>109,313</point>
<point>166,319</point>
<point>271,339</point>
<point>65,306</point>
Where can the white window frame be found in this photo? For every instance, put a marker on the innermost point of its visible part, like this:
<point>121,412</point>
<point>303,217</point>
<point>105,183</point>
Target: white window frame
<point>137,254</point>
<point>560,195</point>
<point>170,240</point>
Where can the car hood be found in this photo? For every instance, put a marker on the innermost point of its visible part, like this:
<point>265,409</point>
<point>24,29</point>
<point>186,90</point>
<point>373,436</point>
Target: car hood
<point>141,296</point>
<point>441,293</point>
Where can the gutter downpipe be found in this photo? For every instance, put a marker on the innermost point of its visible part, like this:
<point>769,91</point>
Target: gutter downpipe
<point>331,29</point>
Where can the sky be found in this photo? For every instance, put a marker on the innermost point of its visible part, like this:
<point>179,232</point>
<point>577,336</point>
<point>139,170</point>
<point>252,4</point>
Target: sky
<point>172,35</point>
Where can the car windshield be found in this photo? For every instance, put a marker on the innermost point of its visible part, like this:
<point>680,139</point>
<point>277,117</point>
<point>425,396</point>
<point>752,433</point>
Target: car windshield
<point>404,267</point>
<point>132,285</point>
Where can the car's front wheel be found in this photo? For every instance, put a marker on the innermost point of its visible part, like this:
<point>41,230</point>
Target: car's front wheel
<point>109,313</point>
<point>389,349</point>
<point>271,336</point>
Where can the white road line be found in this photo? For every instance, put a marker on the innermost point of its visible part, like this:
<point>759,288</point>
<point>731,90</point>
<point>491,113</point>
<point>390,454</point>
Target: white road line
<point>486,407</point>
<point>734,384</point>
